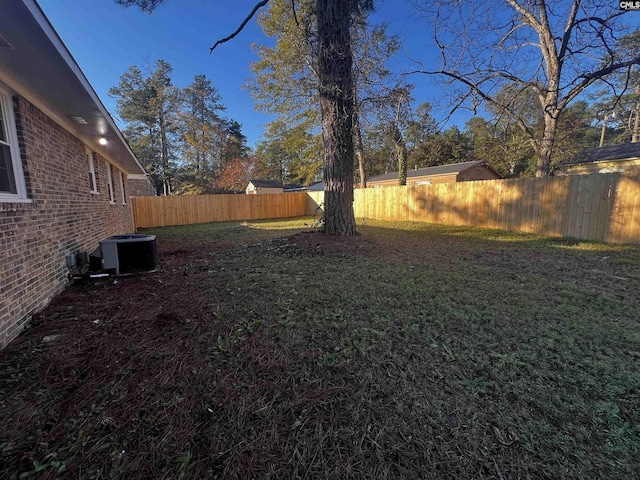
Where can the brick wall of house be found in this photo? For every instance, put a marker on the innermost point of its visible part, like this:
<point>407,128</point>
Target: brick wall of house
<point>141,188</point>
<point>481,172</point>
<point>63,217</point>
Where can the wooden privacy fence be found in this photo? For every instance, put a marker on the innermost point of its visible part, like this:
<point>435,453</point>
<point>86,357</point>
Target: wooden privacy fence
<point>603,207</point>
<point>189,209</point>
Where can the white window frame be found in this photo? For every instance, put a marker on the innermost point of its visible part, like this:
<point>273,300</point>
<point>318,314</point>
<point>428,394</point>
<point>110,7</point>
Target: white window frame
<point>92,171</point>
<point>6,104</point>
<point>110,184</point>
<point>122,189</point>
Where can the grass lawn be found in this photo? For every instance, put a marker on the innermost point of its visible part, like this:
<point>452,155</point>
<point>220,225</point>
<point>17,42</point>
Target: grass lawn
<point>410,351</point>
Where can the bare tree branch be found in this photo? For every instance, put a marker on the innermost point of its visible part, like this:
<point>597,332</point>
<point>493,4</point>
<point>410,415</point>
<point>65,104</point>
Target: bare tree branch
<point>258,6</point>
<point>567,31</point>
<point>588,79</point>
<point>575,45</point>
<point>482,94</point>
<point>293,9</point>
<point>527,15</point>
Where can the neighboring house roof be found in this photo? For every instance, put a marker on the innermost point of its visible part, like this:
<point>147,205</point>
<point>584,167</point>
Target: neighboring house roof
<point>266,183</point>
<point>295,187</point>
<point>625,151</point>
<point>437,170</point>
<point>35,63</point>
<point>316,187</point>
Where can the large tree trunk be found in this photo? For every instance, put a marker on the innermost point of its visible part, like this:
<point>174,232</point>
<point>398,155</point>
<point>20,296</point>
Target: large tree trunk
<point>359,146</point>
<point>544,149</point>
<point>336,103</point>
<point>164,157</point>
<point>398,141</point>
<point>401,154</point>
<point>635,134</point>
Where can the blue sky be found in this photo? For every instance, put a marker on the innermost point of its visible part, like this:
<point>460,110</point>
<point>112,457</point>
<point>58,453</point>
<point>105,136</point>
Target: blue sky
<point>105,39</point>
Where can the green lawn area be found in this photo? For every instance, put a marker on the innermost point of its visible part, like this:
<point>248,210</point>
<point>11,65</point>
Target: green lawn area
<point>409,351</point>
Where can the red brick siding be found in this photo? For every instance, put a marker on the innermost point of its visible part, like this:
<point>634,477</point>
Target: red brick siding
<point>480,172</point>
<point>64,217</point>
<point>140,188</point>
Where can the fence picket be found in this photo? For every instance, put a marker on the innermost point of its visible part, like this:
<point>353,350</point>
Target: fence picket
<point>602,207</point>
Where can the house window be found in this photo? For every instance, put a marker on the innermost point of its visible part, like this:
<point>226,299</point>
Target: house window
<point>93,186</point>
<point>122,189</point>
<point>111,185</point>
<point>12,186</point>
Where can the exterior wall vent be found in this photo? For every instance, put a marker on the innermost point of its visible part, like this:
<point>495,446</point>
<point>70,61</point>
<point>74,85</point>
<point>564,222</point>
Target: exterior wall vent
<point>129,254</point>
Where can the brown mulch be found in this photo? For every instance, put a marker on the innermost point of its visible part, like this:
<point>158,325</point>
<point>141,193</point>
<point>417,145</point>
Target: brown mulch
<point>147,377</point>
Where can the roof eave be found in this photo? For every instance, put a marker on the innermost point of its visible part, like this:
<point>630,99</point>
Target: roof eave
<point>38,63</point>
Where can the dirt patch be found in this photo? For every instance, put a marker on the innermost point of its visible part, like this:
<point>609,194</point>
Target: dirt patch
<point>317,243</point>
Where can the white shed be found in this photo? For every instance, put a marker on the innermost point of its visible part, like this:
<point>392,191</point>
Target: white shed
<point>263,186</point>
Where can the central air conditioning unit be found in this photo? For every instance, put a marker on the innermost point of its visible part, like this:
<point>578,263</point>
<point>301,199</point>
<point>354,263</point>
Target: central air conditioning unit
<point>129,254</point>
